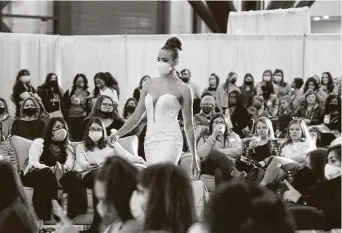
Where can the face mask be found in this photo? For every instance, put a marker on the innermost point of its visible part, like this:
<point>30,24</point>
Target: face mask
<point>164,68</point>
<point>212,82</point>
<point>248,82</point>
<point>267,78</point>
<point>81,85</point>
<point>130,108</point>
<point>185,80</point>
<point>95,136</point>
<point>233,81</point>
<point>2,110</point>
<point>277,78</point>
<point>106,115</point>
<point>136,205</point>
<point>221,129</point>
<point>29,111</point>
<point>333,107</point>
<point>206,109</point>
<point>60,135</point>
<point>25,79</point>
<point>257,105</point>
<point>52,83</point>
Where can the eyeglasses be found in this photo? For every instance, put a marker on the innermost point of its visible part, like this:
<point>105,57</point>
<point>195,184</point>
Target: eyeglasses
<point>57,128</point>
<point>95,130</point>
<point>107,105</point>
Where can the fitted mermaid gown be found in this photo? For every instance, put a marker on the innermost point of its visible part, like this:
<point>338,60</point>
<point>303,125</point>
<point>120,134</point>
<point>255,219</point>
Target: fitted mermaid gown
<point>164,139</point>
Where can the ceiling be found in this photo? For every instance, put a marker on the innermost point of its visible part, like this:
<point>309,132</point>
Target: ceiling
<point>330,8</point>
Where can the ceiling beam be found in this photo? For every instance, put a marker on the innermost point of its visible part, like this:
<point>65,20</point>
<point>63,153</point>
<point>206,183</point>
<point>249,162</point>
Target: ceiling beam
<point>305,3</point>
<point>3,4</point>
<point>220,10</point>
<point>202,10</point>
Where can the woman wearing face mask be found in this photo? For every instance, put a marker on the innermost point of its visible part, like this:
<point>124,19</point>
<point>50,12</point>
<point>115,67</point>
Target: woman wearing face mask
<point>22,89</point>
<point>136,92</point>
<point>217,149</point>
<point>327,83</point>
<point>239,115</point>
<point>6,121</point>
<point>107,110</point>
<point>168,184</point>
<point>29,125</point>
<point>105,84</point>
<point>269,99</point>
<point>331,127</point>
<point>311,110</point>
<point>50,164</point>
<point>282,86</point>
<point>248,90</point>
<point>266,78</point>
<point>162,98</point>
<point>224,90</point>
<point>75,103</point>
<point>93,151</point>
<point>297,86</point>
<point>312,85</point>
<point>214,82</point>
<point>52,95</point>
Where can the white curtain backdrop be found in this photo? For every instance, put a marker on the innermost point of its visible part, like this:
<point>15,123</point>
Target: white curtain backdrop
<point>322,53</point>
<point>128,58</point>
<point>280,21</point>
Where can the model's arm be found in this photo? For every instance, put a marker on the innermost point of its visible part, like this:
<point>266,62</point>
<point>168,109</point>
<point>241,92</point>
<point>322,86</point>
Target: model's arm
<point>189,124</point>
<point>138,114</point>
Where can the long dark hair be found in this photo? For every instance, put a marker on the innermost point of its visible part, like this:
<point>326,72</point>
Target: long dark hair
<point>306,85</point>
<point>56,89</point>
<point>327,102</point>
<point>14,97</point>
<point>89,144</point>
<point>109,81</point>
<point>211,129</point>
<point>330,85</point>
<point>170,203</point>
<point>227,83</point>
<point>243,87</point>
<point>12,191</point>
<point>96,111</point>
<point>281,83</point>
<point>74,85</point>
<point>141,80</point>
<point>318,160</point>
<point>118,189</point>
<point>5,105</point>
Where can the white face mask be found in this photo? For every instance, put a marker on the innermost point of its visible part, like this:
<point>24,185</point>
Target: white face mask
<point>25,79</point>
<point>277,78</point>
<point>60,135</point>
<point>164,68</point>
<point>267,78</point>
<point>136,205</point>
<point>95,136</point>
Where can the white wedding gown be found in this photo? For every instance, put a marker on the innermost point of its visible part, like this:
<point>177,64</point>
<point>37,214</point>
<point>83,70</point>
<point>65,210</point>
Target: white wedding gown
<point>164,139</point>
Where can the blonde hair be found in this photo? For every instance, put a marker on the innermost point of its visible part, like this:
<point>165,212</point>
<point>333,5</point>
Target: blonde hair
<point>268,123</point>
<point>36,104</point>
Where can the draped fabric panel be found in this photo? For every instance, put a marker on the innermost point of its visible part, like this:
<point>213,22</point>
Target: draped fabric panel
<point>292,21</point>
<point>322,53</point>
<point>128,58</point>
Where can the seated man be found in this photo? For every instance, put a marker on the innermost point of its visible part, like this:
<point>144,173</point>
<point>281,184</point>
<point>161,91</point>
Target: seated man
<point>202,118</point>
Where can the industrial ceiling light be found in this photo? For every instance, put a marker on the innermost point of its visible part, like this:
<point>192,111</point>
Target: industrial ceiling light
<point>316,18</point>
<point>325,17</point>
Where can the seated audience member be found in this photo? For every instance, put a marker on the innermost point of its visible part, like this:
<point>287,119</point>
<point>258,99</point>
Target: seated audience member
<point>337,90</point>
<point>331,127</point>
<point>269,99</point>
<point>50,164</point>
<point>107,110</point>
<point>293,152</point>
<point>325,196</point>
<point>311,110</point>
<point>327,83</point>
<point>282,86</point>
<point>284,116</point>
<point>22,89</point>
<point>244,207</point>
<point>239,115</point>
<point>214,82</point>
<point>29,125</point>
<point>257,108</point>
<point>248,90</point>
<point>224,90</point>
<point>6,121</point>
<point>163,183</point>
<point>52,96</point>
<point>296,85</point>
<point>218,148</point>
<point>16,214</point>
<point>263,145</point>
<point>202,119</point>
<point>75,105</point>
<point>136,92</point>
<point>267,77</point>
<point>314,85</point>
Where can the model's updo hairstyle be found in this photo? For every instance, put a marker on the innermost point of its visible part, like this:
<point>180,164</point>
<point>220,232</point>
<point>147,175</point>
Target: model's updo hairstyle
<point>174,45</point>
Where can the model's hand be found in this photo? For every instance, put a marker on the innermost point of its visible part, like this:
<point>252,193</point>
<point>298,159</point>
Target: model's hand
<point>112,139</point>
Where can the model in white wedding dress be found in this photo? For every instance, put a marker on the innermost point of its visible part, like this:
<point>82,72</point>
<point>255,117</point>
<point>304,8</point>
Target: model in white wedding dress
<point>164,139</point>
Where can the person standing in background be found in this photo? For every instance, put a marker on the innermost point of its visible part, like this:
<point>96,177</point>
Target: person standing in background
<point>186,77</point>
<point>224,90</point>
<point>136,92</point>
